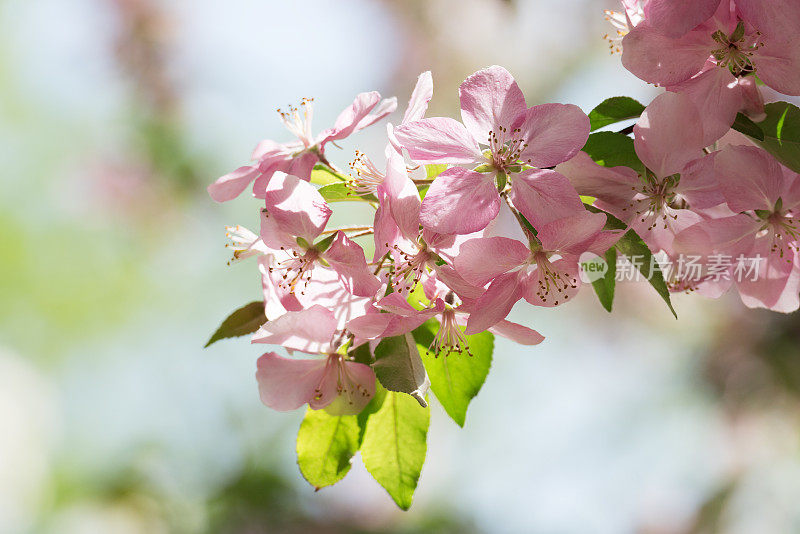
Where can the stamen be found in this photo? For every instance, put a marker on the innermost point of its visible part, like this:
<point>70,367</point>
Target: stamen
<point>367,178</point>
<point>298,120</point>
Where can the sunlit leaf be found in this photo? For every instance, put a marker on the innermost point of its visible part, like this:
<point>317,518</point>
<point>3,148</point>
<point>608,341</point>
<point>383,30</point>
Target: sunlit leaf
<point>613,110</point>
<point>245,320</point>
<point>325,445</point>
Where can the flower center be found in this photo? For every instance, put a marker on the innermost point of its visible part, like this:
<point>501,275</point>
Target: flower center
<point>409,267</point>
<point>552,284</point>
<point>296,269</point>
<point>654,200</point>
<point>450,338</point>
<point>736,50</point>
<point>298,121</point>
<point>505,149</point>
<point>367,178</point>
<point>785,232</point>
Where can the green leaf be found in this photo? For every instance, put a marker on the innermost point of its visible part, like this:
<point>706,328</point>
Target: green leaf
<point>394,446</point>
<point>632,245</point>
<point>456,378</point>
<point>325,445</point>
<point>245,320</point>
<point>611,149</point>
<point>613,110</point>
<point>339,192</point>
<point>782,133</point>
<point>604,287</point>
<point>374,405</point>
<point>322,175</point>
<point>399,367</point>
<point>434,169</point>
<point>748,127</point>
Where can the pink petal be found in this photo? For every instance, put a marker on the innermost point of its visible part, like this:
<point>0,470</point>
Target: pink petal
<point>285,384</point>
<point>717,97</point>
<point>370,326</point>
<point>773,18</point>
<point>495,304</point>
<point>543,196</point>
<point>403,197</point>
<point>572,234</point>
<point>438,140</point>
<point>302,165</point>
<point>517,333</point>
<point>349,119</point>
<point>490,99</point>
<point>346,257</point>
<point>656,58</point>
<point>748,177</point>
<point>778,64</point>
<point>384,108</point>
<point>698,184</point>
<point>420,97</point>
<point>296,206</point>
<point>460,202</point>
<point>676,17</point>
<point>232,184</point>
<point>553,133</point>
<point>613,185</point>
<point>357,389</point>
<point>310,330</point>
<point>387,232</point>
<point>777,286</point>
<point>483,259</point>
<point>542,291</point>
<point>669,134</point>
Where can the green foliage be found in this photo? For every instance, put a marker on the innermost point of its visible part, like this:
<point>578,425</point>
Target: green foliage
<point>778,133</point>
<point>456,378</point>
<point>611,149</point>
<point>322,175</point>
<point>782,133</point>
<point>604,287</point>
<point>339,192</point>
<point>325,445</point>
<point>395,444</point>
<point>744,124</point>
<point>613,110</point>
<point>399,367</point>
<point>434,169</point>
<point>244,320</point>
<point>631,245</point>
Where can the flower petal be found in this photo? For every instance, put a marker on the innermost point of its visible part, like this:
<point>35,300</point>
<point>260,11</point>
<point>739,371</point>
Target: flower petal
<point>572,234</point>
<point>490,99</point>
<point>676,17</point>
<point>310,330</point>
<point>543,196</point>
<point>657,58</point>
<point>460,202</point>
<point>349,119</point>
<point>482,259</point>
<point>613,185</point>
<point>296,206</point>
<point>438,140</point>
<point>357,389</point>
<point>285,384</point>
<point>517,333</point>
<point>495,304</point>
<point>420,97</point>
<point>748,177</point>
<point>346,257</point>
<point>232,184</point>
<point>553,133</point>
<point>669,134</point>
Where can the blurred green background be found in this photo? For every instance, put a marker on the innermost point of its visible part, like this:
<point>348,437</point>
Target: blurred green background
<point>114,117</point>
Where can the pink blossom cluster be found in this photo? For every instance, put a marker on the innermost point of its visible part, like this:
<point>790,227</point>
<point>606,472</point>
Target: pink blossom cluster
<point>473,215</point>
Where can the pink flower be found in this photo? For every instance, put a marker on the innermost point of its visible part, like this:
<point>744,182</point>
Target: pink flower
<point>341,386</point>
<point>766,199</point>
<point>544,272</point>
<point>710,62</point>
<point>632,14</point>
<point>678,181</point>
<point>295,215</point>
<point>400,317</point>
<point>417,106</point>
<point>499,135</point>
<point>299,157</point>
